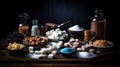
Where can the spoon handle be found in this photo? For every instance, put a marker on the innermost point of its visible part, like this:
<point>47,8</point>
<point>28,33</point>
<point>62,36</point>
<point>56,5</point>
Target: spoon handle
<point>64,23</point>
<point>92,38</point>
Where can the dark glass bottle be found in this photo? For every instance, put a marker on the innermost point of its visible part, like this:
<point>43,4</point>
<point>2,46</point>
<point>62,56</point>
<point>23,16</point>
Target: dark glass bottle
<point>98,24</point>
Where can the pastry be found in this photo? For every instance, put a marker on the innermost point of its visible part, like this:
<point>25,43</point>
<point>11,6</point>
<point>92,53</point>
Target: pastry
<point>101,43</point>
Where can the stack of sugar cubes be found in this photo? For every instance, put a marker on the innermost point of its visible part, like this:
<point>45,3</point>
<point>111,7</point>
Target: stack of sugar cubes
<point>57,34</point>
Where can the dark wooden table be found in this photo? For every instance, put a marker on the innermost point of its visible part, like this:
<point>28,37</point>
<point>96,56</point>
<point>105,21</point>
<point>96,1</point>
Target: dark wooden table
<point>110,59</point>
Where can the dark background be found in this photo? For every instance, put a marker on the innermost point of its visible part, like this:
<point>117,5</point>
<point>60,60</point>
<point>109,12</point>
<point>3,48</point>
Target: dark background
<point>59,11</point>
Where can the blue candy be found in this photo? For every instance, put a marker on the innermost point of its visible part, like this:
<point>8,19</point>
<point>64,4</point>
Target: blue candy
<point>67,50</point>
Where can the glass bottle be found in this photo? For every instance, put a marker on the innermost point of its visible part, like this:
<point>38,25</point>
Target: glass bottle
<point>35,28</point>
<point>98,24</point>
<point>23,26</point>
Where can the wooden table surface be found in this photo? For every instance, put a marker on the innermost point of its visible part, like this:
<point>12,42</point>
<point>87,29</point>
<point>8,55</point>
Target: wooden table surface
<point>110,59</point>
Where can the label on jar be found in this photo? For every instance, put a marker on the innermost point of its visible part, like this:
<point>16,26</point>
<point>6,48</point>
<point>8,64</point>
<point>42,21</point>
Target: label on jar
<point>23,30</point>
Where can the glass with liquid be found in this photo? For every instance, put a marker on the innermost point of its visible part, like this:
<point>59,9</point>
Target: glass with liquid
<point>87,35</point>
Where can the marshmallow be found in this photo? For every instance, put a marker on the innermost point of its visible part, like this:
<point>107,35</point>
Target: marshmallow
<point>50,56</point>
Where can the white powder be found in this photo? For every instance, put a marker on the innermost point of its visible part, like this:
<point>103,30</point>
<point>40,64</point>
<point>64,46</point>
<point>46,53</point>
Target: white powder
<point>76,28</point>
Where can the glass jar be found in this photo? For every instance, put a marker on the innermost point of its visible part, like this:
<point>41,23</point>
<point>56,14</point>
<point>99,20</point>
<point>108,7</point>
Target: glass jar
<point>87,35</point>
<point>98,24</point>
<point>23,26</point>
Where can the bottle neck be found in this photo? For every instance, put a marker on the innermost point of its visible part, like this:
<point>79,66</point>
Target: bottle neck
<point>35,22</point>
<point>23,17</point>
<point>98,16</point>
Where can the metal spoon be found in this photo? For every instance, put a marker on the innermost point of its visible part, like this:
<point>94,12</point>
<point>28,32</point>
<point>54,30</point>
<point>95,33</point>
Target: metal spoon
<point>92,38</point>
